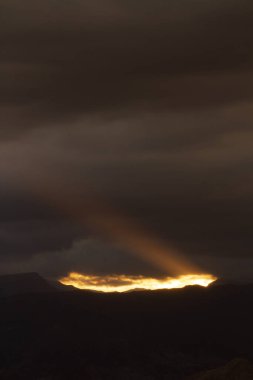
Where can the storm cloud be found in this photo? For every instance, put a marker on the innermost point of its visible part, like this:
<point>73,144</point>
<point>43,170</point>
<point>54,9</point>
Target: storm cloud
<point>146,104</point>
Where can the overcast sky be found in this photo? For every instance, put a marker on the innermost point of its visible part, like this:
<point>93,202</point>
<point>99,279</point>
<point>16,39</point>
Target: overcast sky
<point>144,106</point>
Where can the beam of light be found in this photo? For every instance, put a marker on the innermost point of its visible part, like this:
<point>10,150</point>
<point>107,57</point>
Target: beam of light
<point>90,211</point>
<point>124,283</point>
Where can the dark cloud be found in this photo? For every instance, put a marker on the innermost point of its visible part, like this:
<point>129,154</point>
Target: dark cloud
<point>63,59</point>
<point>149,105</point>
<point>89,256</point>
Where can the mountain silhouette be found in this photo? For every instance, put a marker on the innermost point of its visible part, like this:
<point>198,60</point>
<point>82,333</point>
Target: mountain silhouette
<point>14,284</point>
<point>172,334</point>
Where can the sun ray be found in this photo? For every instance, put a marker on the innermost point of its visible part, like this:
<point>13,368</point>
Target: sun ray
<point>89,210</point>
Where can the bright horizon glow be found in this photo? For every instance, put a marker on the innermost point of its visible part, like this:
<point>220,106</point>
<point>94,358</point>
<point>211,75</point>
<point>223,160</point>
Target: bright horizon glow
<point>124,283</point>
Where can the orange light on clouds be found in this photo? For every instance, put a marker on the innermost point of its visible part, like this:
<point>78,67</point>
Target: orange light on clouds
<point>89,210</point>
<point>123,283</point>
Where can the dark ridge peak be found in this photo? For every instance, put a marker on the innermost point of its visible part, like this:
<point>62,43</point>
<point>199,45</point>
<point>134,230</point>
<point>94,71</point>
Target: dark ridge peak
<point>230,281</point>
<point>19,283</point>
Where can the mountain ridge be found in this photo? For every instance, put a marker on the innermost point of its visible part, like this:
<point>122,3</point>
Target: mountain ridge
<point>21,283</point>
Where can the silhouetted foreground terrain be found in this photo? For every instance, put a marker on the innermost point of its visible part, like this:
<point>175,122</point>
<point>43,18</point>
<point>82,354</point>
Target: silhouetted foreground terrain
<point>237,369</point>
<point>172,335</point>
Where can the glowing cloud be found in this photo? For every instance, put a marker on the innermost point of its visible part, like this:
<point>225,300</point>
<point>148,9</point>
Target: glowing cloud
<point>123,283</point>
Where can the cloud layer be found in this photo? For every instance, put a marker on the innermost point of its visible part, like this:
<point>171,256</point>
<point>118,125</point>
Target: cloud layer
<point>147,104</point>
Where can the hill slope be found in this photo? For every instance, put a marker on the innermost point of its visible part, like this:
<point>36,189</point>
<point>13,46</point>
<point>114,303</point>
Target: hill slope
<point>23,283</point>
<point>238,369</point>
<point>154,335</point>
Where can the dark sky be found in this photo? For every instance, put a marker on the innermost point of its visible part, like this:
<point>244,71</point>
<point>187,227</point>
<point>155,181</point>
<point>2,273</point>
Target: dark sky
<point>144,106</point>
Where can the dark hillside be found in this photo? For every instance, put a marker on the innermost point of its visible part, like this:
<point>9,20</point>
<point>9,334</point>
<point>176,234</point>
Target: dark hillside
<point>23,283</point>
<point>139,335</point>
